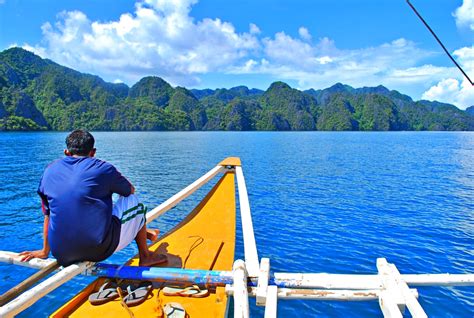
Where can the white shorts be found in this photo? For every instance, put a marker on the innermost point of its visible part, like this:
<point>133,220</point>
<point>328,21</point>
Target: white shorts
<point>131,213</point>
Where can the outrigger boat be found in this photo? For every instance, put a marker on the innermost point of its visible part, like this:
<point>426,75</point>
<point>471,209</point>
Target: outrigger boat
<point>200,252</point>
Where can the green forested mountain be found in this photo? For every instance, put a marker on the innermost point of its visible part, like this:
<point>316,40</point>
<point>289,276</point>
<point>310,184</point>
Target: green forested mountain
<point>38,94</point>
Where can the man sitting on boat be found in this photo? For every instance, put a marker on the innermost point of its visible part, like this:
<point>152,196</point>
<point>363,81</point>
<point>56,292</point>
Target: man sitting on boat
<point>80,221</point>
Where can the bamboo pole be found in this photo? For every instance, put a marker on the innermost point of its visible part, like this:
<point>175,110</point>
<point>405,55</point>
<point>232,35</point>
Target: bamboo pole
<point>396,291</point>
<point>15,259</point>
<point>271,304</point>
<point>27,283</point>
<point>355,281</point>
<point>262,284</point>
<point>241,300</point>
<point>310,280</point>
<point>183,194</point>
<point>439,279</point>
<point>31,296</point>
<point>250,247</point>
<point>321,294</point>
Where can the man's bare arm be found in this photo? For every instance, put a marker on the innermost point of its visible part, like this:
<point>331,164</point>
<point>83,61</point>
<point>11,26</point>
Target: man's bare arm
<point>43,253</point>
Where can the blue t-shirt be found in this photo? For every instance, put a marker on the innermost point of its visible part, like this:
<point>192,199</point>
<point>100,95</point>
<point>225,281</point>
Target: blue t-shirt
<point>77,195</point>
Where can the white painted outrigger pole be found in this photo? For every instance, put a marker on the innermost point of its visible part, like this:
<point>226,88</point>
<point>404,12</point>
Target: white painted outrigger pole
<point>241,297</point>
<point>31,296</point>
<point>396,294</point>
<point>183,194</point>
<point>371,281</point>
<point>250,247</point>
<point>15,259</point>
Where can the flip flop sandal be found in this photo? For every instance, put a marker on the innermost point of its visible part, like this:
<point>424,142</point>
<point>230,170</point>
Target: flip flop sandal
<point>174,310</point>
<point>106,293</point>
<point>191,291</point>
<point>137,296</point>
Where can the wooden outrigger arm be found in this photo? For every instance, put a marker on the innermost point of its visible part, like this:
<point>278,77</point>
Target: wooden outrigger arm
<point>279,279</point>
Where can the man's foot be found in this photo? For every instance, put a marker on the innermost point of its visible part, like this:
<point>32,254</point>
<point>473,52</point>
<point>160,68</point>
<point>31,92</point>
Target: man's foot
<point>152,234</point>
<point>153,258</point>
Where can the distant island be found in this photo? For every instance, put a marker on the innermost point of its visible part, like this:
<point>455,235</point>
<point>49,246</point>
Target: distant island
<point>38,94</point>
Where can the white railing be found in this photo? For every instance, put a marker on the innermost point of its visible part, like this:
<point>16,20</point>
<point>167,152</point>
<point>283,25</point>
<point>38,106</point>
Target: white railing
<point>250,246</point>
<point>389,287</point>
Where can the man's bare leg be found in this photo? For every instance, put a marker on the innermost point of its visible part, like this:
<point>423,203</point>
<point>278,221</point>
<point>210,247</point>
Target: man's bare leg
<point>147,257</point>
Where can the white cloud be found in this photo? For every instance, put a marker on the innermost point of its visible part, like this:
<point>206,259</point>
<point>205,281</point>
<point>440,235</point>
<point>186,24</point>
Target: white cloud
<point>284,49</point>
<point>304,33</point>
<point>395,64</point>
<point>465,57</point>
<point>159,38</point>
<point>2,2</point>
<point>452,91</point>
<point>455,89</point>
<point>254,29</point>
<point>464,15</point>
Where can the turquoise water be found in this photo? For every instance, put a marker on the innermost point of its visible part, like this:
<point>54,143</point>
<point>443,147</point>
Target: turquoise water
<point>321,202</point>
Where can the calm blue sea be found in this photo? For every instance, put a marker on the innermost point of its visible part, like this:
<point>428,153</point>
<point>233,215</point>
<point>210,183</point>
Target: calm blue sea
<point>321,202</point>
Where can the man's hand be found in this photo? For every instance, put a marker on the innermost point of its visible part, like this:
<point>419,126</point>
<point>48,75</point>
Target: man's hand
<point>132,190</point>
<point>27,255</point>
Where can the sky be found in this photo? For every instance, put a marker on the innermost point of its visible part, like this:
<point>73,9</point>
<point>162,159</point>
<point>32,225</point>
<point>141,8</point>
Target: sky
<point>216,43</point>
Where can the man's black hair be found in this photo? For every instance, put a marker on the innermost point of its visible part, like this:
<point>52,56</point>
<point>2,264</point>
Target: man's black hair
<point>80,142</point>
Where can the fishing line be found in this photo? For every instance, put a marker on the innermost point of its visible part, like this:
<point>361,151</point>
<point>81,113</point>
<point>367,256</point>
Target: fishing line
<point>439,41</point>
